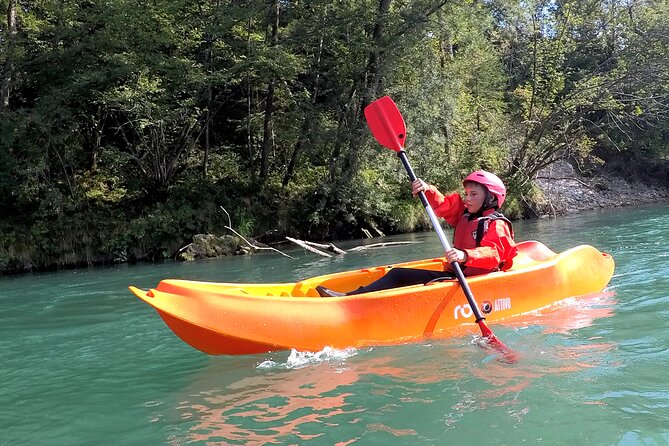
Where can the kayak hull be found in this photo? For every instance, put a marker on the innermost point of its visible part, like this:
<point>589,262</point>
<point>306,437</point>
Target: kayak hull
<point>235,319</point>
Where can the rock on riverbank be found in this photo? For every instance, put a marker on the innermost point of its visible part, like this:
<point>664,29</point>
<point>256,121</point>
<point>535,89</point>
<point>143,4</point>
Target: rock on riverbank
<point>567,191</point>
<point>208,246</point>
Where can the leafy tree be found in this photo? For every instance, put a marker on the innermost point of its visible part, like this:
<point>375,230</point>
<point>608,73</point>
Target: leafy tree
<point>124,126</point>
<point>583,81</point>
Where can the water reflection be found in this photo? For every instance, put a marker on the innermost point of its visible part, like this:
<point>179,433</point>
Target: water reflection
<point>568,314</point>
<point>364,392</point>
<point>417,392</point>
<point>284,405</point>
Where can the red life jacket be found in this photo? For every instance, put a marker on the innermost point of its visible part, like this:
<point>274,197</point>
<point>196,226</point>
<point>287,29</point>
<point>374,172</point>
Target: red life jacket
<point>469,233</point>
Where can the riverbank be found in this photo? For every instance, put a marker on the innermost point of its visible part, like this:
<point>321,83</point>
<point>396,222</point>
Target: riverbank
<point>566,191</point>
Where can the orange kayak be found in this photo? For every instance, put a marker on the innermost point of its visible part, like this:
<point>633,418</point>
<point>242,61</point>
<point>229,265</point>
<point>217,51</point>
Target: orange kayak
<point>238,318</point>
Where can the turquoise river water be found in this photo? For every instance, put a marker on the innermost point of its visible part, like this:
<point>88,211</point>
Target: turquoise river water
<point>84,362</point>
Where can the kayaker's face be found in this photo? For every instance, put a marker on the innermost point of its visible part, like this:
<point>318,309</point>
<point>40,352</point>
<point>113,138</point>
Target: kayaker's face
<point>474,197</point>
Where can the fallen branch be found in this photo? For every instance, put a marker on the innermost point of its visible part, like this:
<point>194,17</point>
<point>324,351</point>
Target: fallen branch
<point>184,248</point>
<point>226,213</point>
<point>311,246</point>
<point>330,246</point>
<point>247,242</point>
<point>257,247</point>
<point>376,229</point>
<point>307,246</point>
<point>380,245</point>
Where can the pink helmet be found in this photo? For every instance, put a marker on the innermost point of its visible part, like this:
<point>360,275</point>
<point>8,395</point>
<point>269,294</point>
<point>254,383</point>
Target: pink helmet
<point>491,181</point>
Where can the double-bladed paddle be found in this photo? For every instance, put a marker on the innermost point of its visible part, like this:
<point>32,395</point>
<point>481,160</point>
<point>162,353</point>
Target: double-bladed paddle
<point>387,125</point>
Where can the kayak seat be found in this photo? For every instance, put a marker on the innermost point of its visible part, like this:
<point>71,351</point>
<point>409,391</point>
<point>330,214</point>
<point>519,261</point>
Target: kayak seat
<point>535,250</point>
<point>531,252</point>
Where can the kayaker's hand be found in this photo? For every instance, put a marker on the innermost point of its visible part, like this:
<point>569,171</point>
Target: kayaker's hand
<point>419,186</point>
<point>455,255</point>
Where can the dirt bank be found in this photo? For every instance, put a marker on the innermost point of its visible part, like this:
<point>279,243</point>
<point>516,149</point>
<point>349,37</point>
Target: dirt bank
<point>567,191</point>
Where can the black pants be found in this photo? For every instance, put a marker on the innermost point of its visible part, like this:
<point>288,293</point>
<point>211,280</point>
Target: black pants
<point>397,277</point>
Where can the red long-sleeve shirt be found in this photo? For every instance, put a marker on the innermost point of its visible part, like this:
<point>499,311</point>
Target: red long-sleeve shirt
<point>497,247</point>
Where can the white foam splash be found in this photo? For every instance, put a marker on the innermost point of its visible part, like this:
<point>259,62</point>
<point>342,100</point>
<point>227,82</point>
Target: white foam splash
<point>297,359</point>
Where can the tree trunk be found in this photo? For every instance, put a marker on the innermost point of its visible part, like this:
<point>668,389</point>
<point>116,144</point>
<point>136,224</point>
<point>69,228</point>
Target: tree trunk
<point>376,55</point>
<point>297,150</point>
<point>306,123</point>
<point>249,47</point>
<point>8,70</point>
<point>372,76</point>
<point>210,105</point>
<point>209,57</point>
<point>267,131</point>
<point>207,142</point>
<point>268,125</point>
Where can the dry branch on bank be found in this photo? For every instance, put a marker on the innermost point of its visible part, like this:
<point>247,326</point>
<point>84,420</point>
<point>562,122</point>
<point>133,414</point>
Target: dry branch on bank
<point>308,247</point>
<point>316,248</point>
<point>379,245</point>
<point>255,246</point>
<point>313,247</point>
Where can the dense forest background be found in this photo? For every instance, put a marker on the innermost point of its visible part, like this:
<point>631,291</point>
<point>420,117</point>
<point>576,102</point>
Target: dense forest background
<point>125,125</point>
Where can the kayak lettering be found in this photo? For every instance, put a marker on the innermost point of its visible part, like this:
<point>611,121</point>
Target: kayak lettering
<point>465,311</point>
<point>462,310</point>
<point>503,304</point>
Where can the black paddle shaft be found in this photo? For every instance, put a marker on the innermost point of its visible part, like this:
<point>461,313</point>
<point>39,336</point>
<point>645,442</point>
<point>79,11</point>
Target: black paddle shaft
<point>442,237</point>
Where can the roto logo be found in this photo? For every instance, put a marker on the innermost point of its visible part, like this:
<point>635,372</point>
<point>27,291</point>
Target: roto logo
<point>465,310</point>
<point>462,310</point>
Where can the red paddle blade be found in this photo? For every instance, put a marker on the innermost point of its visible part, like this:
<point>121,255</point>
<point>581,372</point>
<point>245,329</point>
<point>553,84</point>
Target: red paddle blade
<point>507,355</point>
<point>386,123</point>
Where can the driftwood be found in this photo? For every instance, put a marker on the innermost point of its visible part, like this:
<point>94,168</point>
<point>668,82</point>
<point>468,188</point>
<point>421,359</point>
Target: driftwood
<point>379,245</point>
<point>258,247</point>
<point>308,247</point>
<point>183,249</point>
<point>317,248</point>
<point>312,247</point>
<point>376,229</point>
<point>229,227</point>
<point>330,247</point>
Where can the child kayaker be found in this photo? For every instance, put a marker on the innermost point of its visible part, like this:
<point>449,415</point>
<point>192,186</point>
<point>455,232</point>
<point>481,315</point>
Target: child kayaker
<point>483,238</point>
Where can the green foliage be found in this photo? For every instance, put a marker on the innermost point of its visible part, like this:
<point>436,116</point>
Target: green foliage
<point>129,124</point>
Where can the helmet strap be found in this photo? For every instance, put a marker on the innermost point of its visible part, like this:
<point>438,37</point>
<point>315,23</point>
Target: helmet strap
<point>490,201</point>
